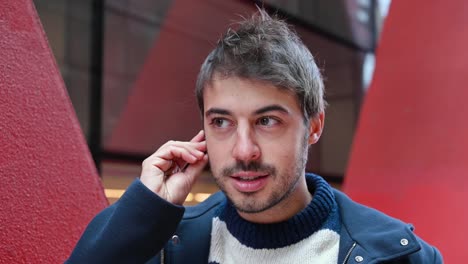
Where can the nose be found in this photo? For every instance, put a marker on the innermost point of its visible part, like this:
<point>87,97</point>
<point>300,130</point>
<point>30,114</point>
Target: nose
<point>245,148</point>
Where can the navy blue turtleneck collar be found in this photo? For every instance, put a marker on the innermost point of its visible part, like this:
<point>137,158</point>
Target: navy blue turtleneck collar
<point>320,213</point>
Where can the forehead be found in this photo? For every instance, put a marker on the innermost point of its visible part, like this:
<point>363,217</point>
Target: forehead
<point>245,94</point>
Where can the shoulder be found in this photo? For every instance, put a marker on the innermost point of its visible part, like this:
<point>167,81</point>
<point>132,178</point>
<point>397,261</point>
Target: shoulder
<point>382,236</point>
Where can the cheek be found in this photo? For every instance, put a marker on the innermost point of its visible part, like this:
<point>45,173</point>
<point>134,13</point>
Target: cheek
<point>216,154</point>
<point>282,153</point>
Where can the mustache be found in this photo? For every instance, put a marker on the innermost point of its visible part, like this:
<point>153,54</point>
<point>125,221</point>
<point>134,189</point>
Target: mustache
<point>249,166</point>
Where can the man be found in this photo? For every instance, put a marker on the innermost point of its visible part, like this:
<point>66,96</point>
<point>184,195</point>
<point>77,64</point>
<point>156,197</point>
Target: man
<point>261,98</point>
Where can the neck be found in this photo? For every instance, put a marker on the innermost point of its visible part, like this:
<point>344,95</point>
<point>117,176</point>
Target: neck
<point>296,201</point>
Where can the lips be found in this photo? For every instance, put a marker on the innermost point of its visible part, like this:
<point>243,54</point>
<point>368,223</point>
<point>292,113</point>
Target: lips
<point>249,181</point>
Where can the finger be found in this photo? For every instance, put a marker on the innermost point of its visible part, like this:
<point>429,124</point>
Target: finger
<point>168,158</point>
<point>195,169</point>
<point>199,137</point>
<point>176,164</point>
<point>199,154</point>
<point>196,148</point>
<point>181,164</point>
<point>179,152</point>
<point>162,164</point>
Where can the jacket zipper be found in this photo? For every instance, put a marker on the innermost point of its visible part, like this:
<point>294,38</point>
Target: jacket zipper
<point>349,253</point>
<point>162,256</point>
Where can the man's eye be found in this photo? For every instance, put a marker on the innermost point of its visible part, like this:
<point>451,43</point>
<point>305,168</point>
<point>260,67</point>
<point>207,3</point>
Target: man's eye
<point>220,122</point>
<point>267,121</point>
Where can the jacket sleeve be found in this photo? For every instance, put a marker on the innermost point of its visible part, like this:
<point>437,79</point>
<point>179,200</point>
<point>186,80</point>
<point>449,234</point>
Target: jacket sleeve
<point>132,230</point>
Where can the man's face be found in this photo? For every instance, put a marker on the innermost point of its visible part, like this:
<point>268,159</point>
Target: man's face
<point>257,142</point>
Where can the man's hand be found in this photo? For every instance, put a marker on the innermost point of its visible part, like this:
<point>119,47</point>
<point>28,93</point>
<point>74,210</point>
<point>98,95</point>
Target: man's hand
<point>172,170</point>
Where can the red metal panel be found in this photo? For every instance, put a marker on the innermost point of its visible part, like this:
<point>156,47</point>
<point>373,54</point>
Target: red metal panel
<point>50,189</point>
<point>409,154</point>
<point>162,100</point>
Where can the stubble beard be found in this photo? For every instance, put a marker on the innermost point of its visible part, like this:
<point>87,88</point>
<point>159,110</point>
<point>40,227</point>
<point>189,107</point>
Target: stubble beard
<point>248,202</point>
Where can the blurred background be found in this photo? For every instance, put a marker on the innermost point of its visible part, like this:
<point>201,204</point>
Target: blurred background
<point>130,68</point>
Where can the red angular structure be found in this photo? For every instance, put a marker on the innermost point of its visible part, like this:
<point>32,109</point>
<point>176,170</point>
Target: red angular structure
<point>49,185</point>
<point>162,99</point>
<point>409,153</point>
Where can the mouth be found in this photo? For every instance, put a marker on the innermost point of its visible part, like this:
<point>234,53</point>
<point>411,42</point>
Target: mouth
<point>249,181</point>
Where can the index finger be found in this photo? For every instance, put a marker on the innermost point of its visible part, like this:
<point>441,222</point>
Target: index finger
<point>199,137</point>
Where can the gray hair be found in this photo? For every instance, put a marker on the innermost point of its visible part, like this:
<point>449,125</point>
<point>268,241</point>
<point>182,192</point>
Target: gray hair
<point>264,48</point>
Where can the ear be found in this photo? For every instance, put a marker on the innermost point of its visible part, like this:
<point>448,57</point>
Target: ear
<point>316,127</point>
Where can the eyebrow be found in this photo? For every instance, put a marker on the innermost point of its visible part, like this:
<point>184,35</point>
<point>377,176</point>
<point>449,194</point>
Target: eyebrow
<point>218,111</point>
<point>268,108</point>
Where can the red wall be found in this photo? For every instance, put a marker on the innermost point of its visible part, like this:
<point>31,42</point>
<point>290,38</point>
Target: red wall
<point>409,153</point>
<point>49,186</point>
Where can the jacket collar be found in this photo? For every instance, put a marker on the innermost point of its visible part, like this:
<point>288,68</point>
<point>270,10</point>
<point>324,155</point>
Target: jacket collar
<point>378,237</point>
